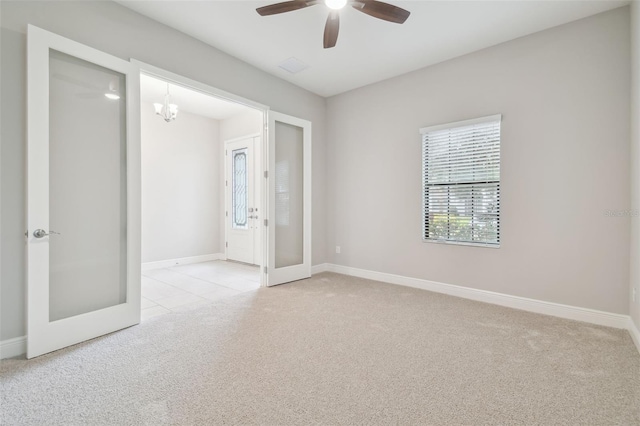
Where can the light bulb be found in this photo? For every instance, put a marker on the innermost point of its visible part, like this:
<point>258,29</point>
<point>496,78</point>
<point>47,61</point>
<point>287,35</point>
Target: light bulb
<point>113,96</point>
<point>335,4</point>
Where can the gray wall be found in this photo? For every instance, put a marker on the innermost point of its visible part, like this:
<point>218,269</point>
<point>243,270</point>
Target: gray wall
<point>564,96</point>
<point>181,186</point>
<point>634,307</point>
<point>114,29</point>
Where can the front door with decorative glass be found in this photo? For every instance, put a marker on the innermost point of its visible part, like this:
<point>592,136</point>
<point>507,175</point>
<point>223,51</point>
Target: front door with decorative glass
<point>241,200</point>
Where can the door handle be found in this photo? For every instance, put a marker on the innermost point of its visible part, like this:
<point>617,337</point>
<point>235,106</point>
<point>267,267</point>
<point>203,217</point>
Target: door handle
<point>40,233</point>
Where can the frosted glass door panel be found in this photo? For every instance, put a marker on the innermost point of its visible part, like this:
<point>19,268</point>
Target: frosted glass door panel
<point>289,202</point>
<point>289,188</point>
<point>87,187</point>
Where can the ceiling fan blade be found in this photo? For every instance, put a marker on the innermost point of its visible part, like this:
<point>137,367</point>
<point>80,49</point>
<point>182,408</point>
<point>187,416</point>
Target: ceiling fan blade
<point>287,6</point>
<point>382,10</point>
<point>331,29</point>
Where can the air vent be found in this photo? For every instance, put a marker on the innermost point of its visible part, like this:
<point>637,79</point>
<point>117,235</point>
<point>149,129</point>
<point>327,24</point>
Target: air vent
<point>293,65</point>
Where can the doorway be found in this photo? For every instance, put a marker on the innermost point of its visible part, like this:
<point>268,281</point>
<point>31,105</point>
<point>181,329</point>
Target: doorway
<point>201,195</point>
<point>105,96</point>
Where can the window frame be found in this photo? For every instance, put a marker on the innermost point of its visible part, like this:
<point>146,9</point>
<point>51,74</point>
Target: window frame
<point>424,210</point>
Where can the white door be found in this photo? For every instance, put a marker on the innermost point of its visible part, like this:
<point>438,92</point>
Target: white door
<point>83,215</point>
<point>289,189</point>
<point>242,201</point>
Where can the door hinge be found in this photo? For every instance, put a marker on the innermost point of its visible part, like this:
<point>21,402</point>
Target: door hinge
<point>266,174</point>
<point>226,183</point>
<point>265,270</point>
<point>226,244</point>
<point>226,152</point>
<point>266,222</point>
<point>226,214</point>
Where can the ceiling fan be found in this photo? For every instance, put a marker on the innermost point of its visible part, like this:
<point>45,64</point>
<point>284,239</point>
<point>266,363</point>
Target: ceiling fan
<point>374,8</point>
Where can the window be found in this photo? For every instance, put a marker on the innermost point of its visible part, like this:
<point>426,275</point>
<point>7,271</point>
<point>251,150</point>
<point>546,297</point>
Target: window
<point>239,189</point>
<point>461,182</point>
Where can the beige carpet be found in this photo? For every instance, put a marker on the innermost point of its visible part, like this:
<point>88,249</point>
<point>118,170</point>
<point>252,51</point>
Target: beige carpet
<point>334,350</point>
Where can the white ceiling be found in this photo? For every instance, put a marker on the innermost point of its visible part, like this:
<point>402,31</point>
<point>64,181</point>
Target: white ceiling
<point>368,49</point>
<point>153,90</point>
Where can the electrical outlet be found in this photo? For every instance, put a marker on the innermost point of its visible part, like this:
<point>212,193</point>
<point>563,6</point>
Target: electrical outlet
<point>338,249</point>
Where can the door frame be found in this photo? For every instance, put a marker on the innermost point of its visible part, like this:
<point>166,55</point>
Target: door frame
<point>171,77</point>
<point>43,335</point>
<point>257,190</point>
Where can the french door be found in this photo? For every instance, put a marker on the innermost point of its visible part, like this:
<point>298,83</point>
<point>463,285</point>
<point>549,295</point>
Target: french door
<point>289,189</point>
<point>83,215</point>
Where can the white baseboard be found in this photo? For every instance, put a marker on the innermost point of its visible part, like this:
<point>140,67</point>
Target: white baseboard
<point>17,346</point>
<point>182,261</point>
<point>635,333</point>
<point>316,269</point>
<point>531,305</point>
<point>13,347</point>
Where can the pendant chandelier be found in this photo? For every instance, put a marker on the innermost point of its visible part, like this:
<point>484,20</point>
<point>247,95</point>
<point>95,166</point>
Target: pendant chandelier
<point>167,111</point>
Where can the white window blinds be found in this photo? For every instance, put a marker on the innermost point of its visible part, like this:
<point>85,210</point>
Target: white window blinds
<point>461,181</point>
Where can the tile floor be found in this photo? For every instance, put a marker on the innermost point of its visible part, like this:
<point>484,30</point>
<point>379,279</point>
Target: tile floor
<point>170,289</point>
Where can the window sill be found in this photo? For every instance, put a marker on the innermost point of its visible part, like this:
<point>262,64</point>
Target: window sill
<point>461,243</point>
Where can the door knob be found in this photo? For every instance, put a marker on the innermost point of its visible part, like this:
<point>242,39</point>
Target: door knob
<point>39,233</point>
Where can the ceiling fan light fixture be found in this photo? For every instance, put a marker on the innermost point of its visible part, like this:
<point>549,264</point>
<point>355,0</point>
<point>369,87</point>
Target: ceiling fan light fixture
<point>335,4</point>
<point>375,8</point>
